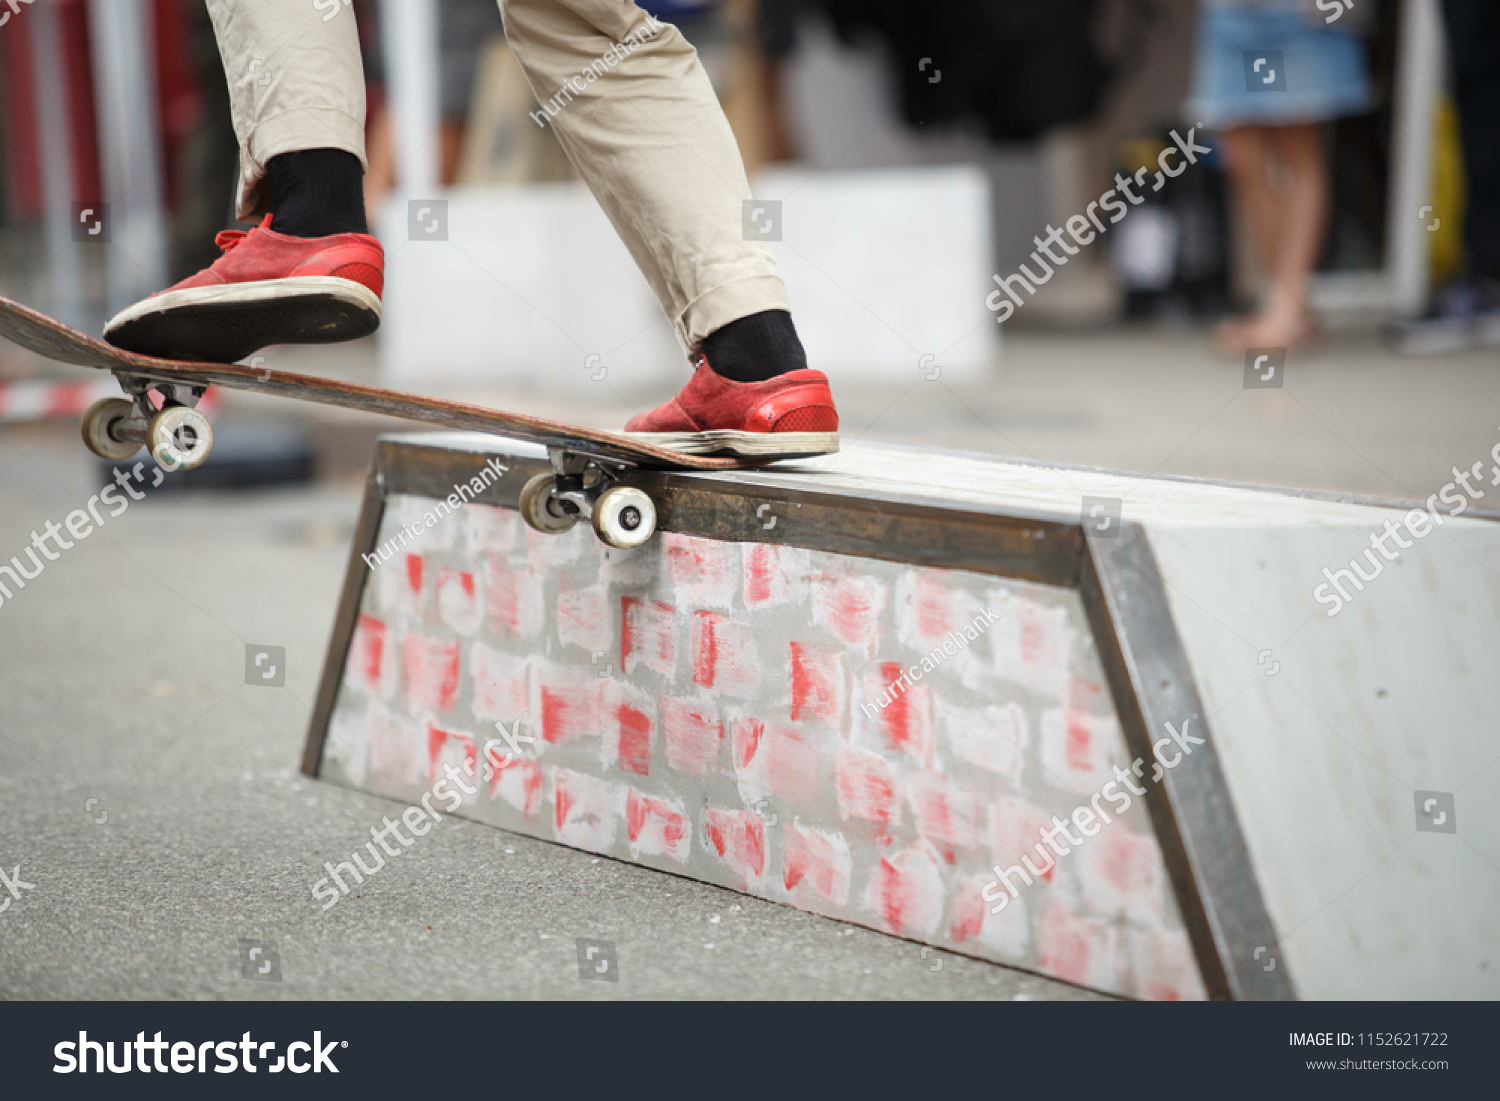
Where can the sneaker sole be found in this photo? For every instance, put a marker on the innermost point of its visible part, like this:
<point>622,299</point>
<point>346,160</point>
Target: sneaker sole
<point>756,445</point>
<point>229,321</point>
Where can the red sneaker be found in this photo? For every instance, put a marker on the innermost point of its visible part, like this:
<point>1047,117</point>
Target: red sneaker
<point>790,415</point>
<point>267,288</point>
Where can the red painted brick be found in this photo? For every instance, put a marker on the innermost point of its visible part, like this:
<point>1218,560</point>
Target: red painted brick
<point>1077,749</point>
<point>738,837</point>
<point>517,780</point>
<point>866,787</point>
<point>928,608</point>
<point>748,732</point>
<point>370,657</point>
<point>946,814</point>
<point>851,608</point>
<point>966,910</point>
<point>583,620</point>
<point>1007,934</point>
<point>693,733</point>
<point>459,602</point>
<point>818,861</point>
<point>570,704</point>
<point>430,672</point>
<point>648,636</point>
<point>905,722</point>
<point>817,676</point>
<point>629,729</point>
<point>586,810</point>
<point>513,600</point>
<point>1122,874</point>
<point>906,892</point>
<point>1075,949</point>
<point>790,766</point>
<point>701,571</point>
<point>1015,831</point>
<point>774,575</point>
<point>452,747</point>
<point>725,657</point>
<point>657,826</point>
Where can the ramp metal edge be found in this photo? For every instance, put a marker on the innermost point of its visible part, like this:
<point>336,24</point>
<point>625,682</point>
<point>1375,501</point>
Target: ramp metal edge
<point>1196,825</point>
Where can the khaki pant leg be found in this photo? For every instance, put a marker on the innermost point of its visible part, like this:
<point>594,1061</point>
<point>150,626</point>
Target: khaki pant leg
<point>635,112</point>
<point>295,82</point>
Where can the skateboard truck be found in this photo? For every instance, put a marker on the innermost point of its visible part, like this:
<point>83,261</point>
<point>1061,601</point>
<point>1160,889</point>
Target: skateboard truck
<point>584,488</point>
<point>177,435</point>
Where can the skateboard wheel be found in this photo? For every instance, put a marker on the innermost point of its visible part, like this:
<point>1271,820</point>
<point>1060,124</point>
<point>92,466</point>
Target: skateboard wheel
<point>624,517</point>
<point>98,419</point>
<point>180,438</point>
<point>537,507</point>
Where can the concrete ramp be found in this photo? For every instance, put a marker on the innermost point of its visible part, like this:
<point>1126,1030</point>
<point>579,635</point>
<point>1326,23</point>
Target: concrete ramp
<point>1089,724</point>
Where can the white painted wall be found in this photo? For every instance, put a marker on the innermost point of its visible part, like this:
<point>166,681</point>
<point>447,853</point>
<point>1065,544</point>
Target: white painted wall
<point>882,268</point>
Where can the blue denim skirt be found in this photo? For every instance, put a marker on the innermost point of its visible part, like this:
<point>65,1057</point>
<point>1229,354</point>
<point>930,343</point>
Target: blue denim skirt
<point>1269,65</point>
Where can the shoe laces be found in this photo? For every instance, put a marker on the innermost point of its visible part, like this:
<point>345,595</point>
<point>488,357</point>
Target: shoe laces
<point>228,239</point>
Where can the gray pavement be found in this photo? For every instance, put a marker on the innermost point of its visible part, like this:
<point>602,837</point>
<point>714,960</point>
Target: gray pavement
<point>122,680</point>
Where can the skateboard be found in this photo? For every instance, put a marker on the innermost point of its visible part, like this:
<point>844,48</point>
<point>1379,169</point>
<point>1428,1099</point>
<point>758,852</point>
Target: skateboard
<point>584,483</point>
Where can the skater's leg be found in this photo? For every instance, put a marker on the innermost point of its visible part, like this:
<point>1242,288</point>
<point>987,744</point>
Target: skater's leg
<point>632,106</point>
<point>310,272</point>
<point>634,110</point>
<point>295,83</point>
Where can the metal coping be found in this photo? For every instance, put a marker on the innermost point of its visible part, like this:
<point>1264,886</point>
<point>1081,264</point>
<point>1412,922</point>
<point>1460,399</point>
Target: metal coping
<point>1123,595</point>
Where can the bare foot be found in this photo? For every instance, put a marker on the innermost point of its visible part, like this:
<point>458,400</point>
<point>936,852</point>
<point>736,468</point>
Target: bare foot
<point>1229,336</point>
<point>1269,328</point>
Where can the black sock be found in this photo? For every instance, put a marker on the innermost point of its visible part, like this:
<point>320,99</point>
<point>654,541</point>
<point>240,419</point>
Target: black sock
<point>755,348</point>
<point>316,193</point>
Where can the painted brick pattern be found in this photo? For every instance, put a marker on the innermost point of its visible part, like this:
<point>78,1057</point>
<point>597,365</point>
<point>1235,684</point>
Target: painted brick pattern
<point>714,709</point>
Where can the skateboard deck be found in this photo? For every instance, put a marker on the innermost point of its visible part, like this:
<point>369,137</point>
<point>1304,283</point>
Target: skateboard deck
<point>64,344</point>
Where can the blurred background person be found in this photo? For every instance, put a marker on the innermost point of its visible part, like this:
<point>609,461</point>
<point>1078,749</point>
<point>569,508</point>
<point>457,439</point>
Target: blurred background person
<point>210,161</point>
<point>1276,158</point>
<point>1466,310</point>
<point>465,28</point>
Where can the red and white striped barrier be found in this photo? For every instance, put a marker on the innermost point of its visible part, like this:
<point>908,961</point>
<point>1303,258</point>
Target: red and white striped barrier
<point>42,400</point>
<point>39,399</point>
